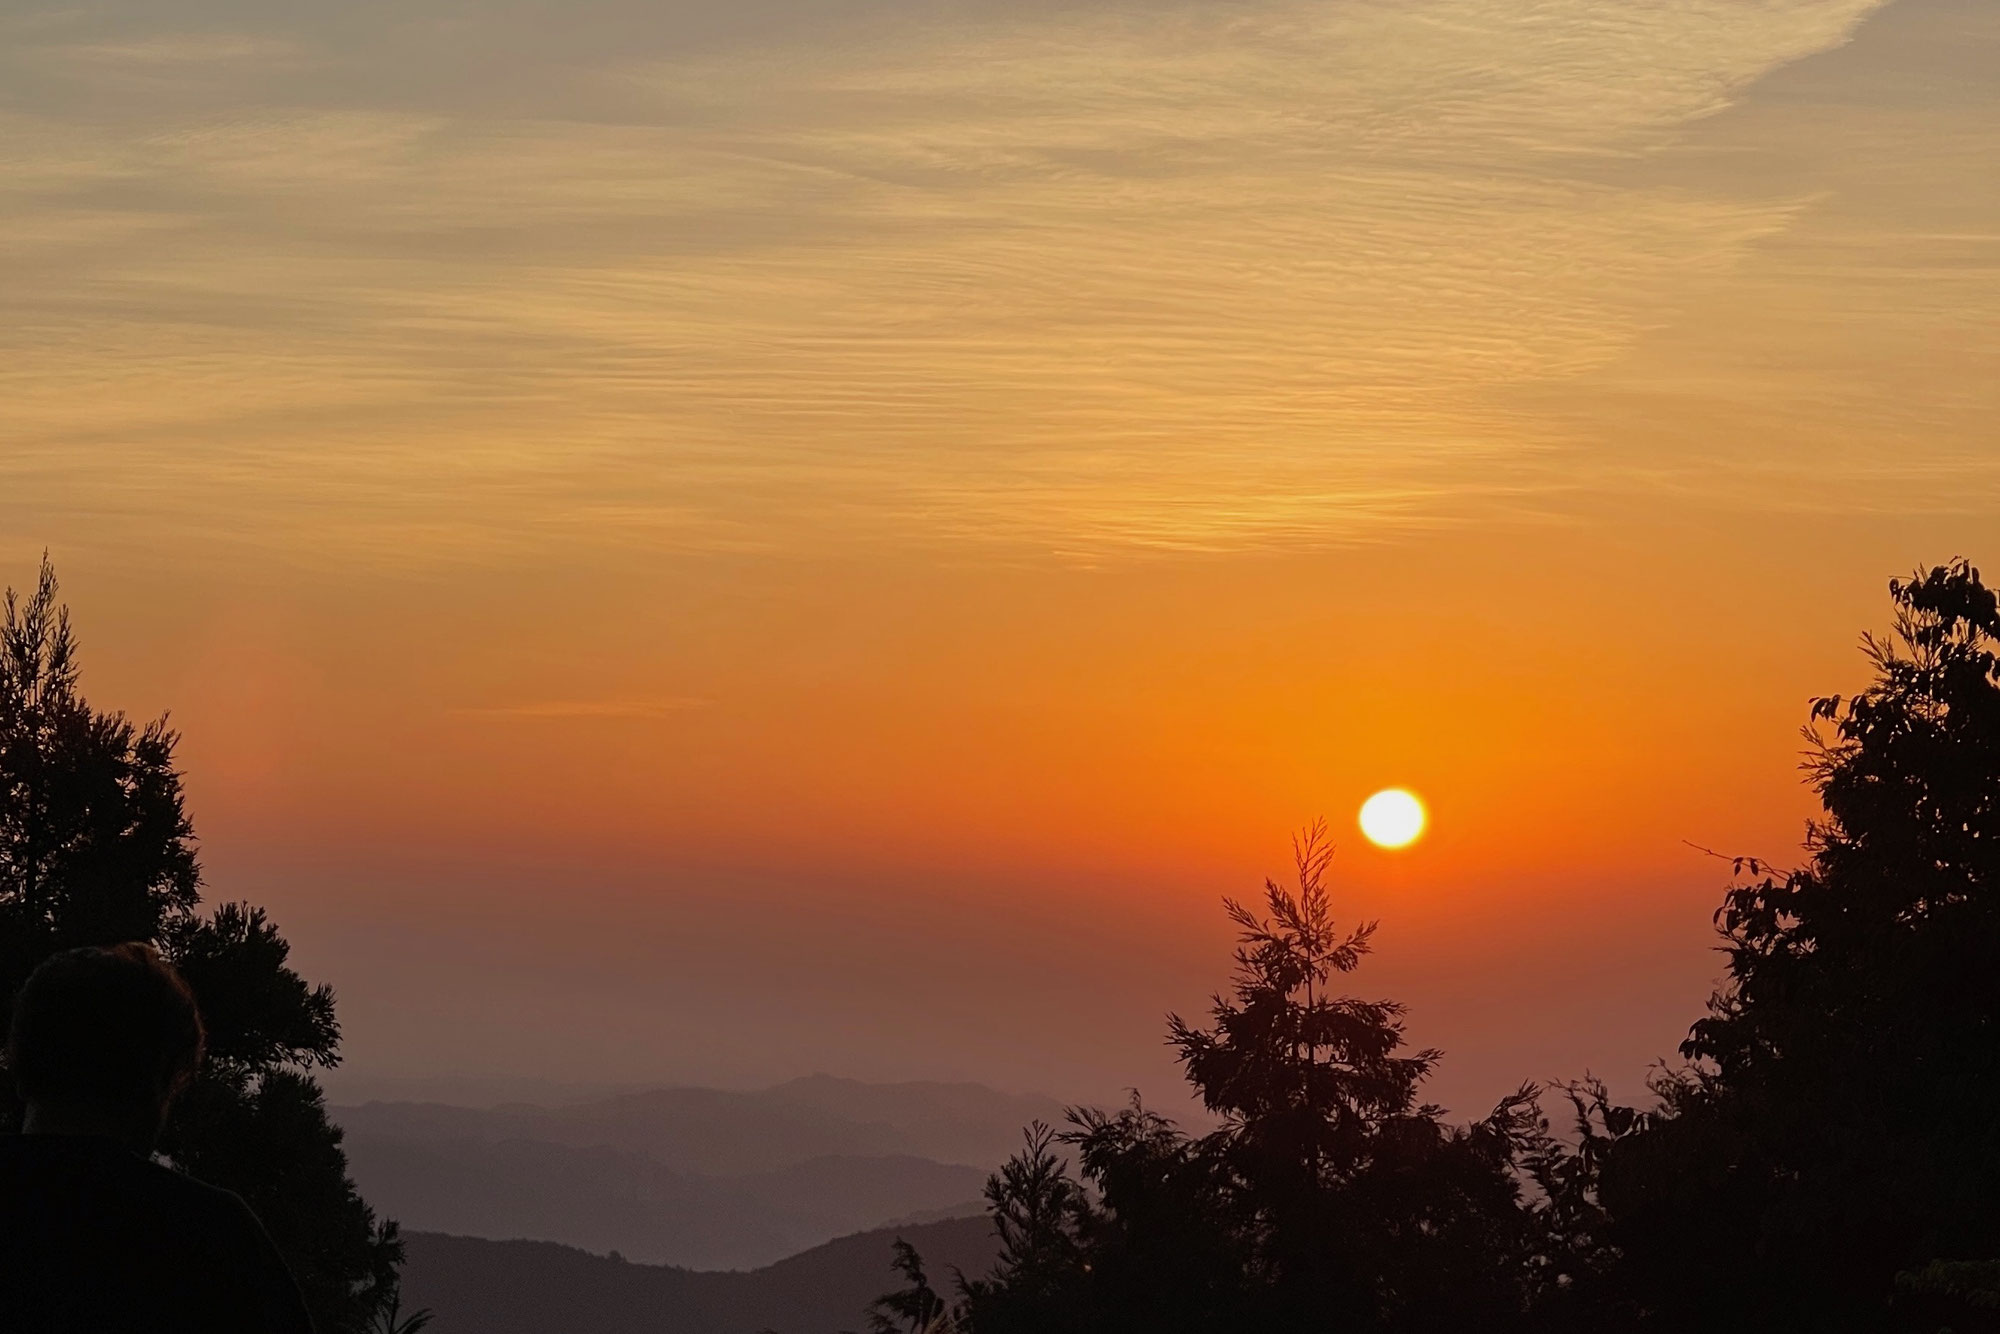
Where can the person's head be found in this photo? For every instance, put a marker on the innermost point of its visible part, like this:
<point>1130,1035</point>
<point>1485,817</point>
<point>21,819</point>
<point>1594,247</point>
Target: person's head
<point>103,1038</point>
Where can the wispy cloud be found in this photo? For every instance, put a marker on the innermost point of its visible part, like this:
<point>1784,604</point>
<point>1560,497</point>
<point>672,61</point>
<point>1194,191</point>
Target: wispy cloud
<point>589,708</point>
<point>1193,278</point>
<point>182,49</point>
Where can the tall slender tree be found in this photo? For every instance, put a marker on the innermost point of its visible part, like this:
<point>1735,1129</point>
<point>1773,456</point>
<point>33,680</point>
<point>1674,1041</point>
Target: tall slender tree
<point>1331,1198</point>
<point>95,848</point>
<point>1366,1207</point>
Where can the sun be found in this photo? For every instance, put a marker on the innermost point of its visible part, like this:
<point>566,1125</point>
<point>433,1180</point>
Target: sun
<point>1393,818</point>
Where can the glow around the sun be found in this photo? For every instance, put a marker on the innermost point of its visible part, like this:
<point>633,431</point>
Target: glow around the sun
<point>1393,818</point>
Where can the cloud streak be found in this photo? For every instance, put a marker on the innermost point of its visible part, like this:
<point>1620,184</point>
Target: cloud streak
<point>589,708</point>
<point>1195,279</point>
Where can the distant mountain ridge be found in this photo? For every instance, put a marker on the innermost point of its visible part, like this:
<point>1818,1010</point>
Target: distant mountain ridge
<point>475,1286</point>
<point>723,1131</point>
<point>612,1199</point>
<point>708,1178</point>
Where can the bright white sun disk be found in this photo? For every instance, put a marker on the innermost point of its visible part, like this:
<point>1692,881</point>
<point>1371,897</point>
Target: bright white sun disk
<point>1393,818</point>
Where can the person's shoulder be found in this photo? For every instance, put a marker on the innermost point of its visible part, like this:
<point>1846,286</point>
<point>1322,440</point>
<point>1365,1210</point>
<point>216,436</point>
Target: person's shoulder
<point>17,1159</point>
<point>197,1198</point>
<point>79,1168</point>
<point>231,1238</point>
<point>70,1155</point>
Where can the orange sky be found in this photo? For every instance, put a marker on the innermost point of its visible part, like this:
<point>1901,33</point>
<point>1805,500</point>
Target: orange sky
<point>830,541</point>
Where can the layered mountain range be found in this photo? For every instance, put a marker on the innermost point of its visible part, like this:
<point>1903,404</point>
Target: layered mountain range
<point>706,1179</point>
<point>474,1286</point>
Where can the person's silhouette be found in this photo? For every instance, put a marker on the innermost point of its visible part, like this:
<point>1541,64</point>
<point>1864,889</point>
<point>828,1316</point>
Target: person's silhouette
<point>94,1235</point>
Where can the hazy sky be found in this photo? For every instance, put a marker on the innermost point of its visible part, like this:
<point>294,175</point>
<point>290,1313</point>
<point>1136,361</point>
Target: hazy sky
<point>712,542</point>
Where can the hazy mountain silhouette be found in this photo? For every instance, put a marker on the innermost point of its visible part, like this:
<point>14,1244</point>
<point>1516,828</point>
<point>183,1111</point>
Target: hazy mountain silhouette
<point>532,1287</point>
<point>705,1178</point>
<point>605,1199</point>
<point>719,1131</point>
<point>953,1123</point>
<point>351,1088</point>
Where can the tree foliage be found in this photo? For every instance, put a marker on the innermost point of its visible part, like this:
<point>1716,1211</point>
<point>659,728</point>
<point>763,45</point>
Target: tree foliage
<point>95,848</point>
<point>1330,1197</point>
<point>916,1307</point>
<point>1825,1159</point>
<point>1836,1123</point>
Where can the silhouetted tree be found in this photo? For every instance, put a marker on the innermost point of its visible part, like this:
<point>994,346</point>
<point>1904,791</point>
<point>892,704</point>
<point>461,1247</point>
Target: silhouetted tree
<point>95,848</point>
<point>915,1308</point>
<point>1575,1284</point>
<point>1168,1243</point>
<point>1329,1199</point>
<point>1364,1202</point>
<point>1040,1215</point>
<point>1950,1297</point>
<point>1826,1160</point>
<point>1839,1122</point>
<point>389,1317</point>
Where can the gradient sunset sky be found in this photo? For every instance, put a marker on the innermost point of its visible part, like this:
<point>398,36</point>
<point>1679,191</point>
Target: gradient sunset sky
<point>703,543</point>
